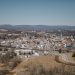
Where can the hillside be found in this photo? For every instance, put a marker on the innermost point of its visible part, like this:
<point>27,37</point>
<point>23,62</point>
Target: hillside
<point>43,65</point>
<point>37,27</point>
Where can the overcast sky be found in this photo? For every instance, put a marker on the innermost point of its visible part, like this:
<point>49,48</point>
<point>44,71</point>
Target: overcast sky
<point>37,12</point>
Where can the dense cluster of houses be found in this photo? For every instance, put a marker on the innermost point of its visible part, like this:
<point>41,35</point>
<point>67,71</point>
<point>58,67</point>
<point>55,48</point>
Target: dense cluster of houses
<point>27,45</point>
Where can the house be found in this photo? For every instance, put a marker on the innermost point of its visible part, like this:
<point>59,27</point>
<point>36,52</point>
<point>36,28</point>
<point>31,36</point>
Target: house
<point>23,52</point>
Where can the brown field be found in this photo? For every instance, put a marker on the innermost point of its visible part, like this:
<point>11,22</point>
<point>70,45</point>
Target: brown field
<point>43,63</point>
<point>48,62</point>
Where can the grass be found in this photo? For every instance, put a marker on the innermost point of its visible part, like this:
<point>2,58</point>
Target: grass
<point>43,65</point>
<point>48,62</point>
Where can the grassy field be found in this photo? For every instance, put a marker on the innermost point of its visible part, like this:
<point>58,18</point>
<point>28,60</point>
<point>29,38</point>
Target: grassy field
<point>43,65</point>
<point>48,62</point>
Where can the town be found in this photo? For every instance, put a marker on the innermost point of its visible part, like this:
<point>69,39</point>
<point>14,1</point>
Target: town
<point>18,46</point>
<point>32,43</point>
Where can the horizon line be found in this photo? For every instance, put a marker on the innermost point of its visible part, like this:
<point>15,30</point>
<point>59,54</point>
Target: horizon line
<point>39,24</point>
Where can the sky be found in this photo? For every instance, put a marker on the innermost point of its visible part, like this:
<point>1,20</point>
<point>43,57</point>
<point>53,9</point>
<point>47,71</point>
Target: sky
<point>37,12</point>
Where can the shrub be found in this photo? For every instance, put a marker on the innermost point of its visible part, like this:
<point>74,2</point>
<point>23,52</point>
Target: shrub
<point>73,55</point>
<point>4,72</point>
<point>14,62</point>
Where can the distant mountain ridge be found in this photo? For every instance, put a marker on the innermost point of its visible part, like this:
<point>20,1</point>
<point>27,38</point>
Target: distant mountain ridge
<point>37,27</point>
